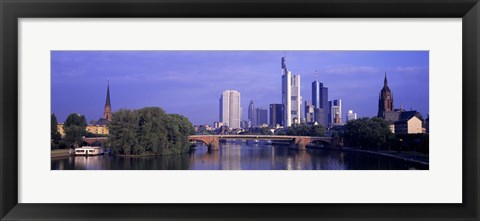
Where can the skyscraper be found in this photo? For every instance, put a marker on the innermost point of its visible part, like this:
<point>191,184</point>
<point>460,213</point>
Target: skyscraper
<point>291,98</point>
<point>309,113</point>
<point>321,116</point>
<point>320,101</point>
<point>276,115</point>
<point>385,100</point>
<point>230,111</point>
<point>336,112</point>
<point>251,113</point>
<point>351,115</point>
<point>107,111</point>
<point>262,116</point>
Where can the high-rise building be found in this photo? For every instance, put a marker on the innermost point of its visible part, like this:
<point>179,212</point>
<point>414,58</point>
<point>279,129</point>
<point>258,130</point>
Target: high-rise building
<point>262,116</point>
<point>336,112</point>
<point>245,124</point>
<point>276,115</point>
<point>309,113</point>
<point>230,110</point>
<point>385,100</point>
<point>351,115</point>
<point>320,101</point>
<point>291,98</point>
<point>107,112</point>
<point>251,113</point>
<point>320,115</point>
<point>217,124</point>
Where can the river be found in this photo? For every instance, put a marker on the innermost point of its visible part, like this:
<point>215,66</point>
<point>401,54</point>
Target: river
<point>241,156</point>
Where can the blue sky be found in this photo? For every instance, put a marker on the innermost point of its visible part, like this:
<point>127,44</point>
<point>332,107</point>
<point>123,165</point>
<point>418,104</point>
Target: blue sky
<point>190,82</point>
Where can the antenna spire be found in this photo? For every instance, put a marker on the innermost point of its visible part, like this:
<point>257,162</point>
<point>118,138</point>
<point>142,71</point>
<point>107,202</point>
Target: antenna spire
<point>385,80</point>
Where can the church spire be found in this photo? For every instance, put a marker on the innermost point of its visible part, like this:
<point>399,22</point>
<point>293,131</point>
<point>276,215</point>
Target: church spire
<point>107,113</point>
<point>107,102</point>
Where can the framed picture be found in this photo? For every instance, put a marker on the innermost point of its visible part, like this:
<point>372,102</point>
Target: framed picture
<point>286,110</point>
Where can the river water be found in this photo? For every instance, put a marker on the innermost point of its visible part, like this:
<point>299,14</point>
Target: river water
<point>241,156</point>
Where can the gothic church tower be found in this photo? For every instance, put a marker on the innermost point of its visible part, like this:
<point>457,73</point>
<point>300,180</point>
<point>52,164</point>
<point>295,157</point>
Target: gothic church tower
<point>385,100</point>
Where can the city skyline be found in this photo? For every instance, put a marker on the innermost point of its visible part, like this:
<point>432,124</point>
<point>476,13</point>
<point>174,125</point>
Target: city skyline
<point>189,82</point>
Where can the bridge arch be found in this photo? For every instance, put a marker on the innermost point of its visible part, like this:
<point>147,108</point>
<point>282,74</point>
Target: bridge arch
<point>211,141</point>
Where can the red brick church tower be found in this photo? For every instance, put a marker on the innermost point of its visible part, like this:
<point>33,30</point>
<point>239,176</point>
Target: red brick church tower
<point>107,113</point>
<point>385,100</point>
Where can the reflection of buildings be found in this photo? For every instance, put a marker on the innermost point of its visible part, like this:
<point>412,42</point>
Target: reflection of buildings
<point>291,98</point>
<point>89,163</point>
<point>230,110</point>
<point>230,157</point>
<point>400,121</point>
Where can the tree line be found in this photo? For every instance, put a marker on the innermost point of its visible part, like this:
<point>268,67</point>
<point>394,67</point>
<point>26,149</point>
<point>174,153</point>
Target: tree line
<point>75,129</point>
<point>374,133</point>
<point>146,131</point>
<point>149,131</point>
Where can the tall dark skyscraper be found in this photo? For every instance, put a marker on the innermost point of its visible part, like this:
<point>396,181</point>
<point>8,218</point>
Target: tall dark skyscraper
<point>385,100</point>
<point>107,112</point>
<point>262,116</point>
<point>320,101</point>
<point>251,113</point>
<point>276,114</point>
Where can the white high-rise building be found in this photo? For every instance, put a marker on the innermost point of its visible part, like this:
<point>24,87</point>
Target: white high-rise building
<point>230,110</point>
<point>291,99</point>
<point>351,115</point>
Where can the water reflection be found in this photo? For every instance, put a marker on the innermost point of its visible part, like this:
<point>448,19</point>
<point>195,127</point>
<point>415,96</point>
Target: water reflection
<point>235,156</point>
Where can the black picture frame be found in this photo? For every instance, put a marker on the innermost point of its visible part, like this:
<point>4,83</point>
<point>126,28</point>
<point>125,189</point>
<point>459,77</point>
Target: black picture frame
<point>12,10</point>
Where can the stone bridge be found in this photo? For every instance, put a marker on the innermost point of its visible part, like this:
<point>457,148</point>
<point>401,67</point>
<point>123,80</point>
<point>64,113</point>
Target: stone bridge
<point>297,142</point>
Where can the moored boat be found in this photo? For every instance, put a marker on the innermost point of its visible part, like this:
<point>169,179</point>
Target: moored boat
<point>89,151</point>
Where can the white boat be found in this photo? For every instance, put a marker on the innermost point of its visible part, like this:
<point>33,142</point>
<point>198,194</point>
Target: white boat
<point>88,150</point>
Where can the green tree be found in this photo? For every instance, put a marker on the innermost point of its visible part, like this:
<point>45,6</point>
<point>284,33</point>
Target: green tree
<point>55,136</point>
<point>75,129</point>
<point>149,131</point>
<point>123,131</point>
<point>306,130</point>
<point>368,132</point>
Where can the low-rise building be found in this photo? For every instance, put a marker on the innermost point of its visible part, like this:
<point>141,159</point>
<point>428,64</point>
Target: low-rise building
<point>410,126</point>
<point>98,129</point>
<point>405,122</point>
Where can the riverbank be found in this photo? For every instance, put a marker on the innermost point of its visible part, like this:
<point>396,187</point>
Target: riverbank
<point>408,156</point>
<point>411,156</point>
<point>60,153</point>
